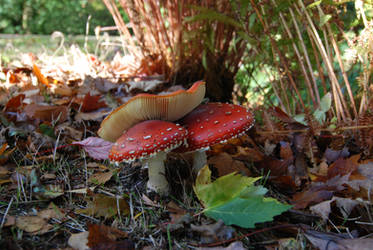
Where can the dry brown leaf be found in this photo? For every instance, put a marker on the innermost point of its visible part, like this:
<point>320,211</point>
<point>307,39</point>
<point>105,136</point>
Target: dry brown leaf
<point>248,154</point>
<point>104,237</point>
<point>61,89</point>
<point>104,206</point>
<point>92,116</point>
<point>46,113</point>
<point>9,221</point>
<point>79,241</point>
<point>319,191</point>
<point>237,245</point>
<point>333,241</point>
<point>285,150</point>
<point>101,178</point>
<point>225,164</point>
<point>343,166</point>
<point>33,224</point>
<point>52,211</point>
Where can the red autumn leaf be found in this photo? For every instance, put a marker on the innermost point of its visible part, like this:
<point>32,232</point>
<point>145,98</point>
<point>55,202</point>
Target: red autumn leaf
<point>14,103</point>
<point>46,113</point>
<point>91,103</point>
<point>96,148</point>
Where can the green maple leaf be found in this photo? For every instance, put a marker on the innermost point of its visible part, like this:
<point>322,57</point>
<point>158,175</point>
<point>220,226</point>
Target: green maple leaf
<point>234,199</point>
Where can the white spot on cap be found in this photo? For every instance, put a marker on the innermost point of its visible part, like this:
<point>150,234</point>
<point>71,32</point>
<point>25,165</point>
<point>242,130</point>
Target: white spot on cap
<point>228,113</point>
<point>165,138</point>
<point>131,152</point>
<point>122,146</point>
<point>216,122</point>
<point>147,137</point>
<point>130,139</point>
<point>169,129</point>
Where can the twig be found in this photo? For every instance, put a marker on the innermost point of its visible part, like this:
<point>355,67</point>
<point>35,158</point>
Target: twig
<point>6,213</point>
<point>307,130</point>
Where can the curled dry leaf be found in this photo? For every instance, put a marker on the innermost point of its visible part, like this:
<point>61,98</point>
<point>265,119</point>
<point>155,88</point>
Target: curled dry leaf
<point>96,148</point>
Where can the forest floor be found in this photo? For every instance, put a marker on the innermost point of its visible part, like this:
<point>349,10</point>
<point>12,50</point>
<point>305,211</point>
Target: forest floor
<point>55,195</point>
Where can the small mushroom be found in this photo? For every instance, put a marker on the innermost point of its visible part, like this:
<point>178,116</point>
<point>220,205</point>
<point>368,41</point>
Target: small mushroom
<point>143,107</point>
<point>213,123</point>
<point>149,141</point>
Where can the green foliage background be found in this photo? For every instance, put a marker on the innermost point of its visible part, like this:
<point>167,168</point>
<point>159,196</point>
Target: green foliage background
<point>46,16</point>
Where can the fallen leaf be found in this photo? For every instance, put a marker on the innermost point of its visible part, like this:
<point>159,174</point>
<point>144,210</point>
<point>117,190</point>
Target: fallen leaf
<point>9,221</point>
<point>332,155</point>
<point>225,164</point>
<point>41,78</point>
<point>248,154</point>
<point>285,150</point>
<point>345,205</point>
<point>52,211</point>
<point>104,237</point>
<point>92,116</point>
<point>91,103</point>
<point>96,148</point>
<point>61,89</point>
<point>319,191</point>
<point>79,241</point>
<point>366,171</point>
<point>333,241</point>
<point>176,212</point>
<point>5,153</point>
<point>234,199</point>
<point>343,166</point>
<point>213,232</point>
<point>46,113</point>
<point>101,178</point>
<point>237,245</point>
<point>15,103</point>
<point>33,224</point>
<point>104,206</point>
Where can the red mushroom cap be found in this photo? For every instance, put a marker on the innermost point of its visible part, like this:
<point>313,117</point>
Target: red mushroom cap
<point>144,107</point>
<point>147,138</point>
<point>213,123</point>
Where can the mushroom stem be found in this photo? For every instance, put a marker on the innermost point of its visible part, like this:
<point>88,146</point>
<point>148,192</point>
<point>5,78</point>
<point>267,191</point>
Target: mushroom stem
<point>199,160</point>
<point>157,173</point>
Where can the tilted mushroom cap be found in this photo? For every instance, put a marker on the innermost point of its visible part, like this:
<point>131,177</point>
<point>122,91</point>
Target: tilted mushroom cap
<point>213,123</point>
<point>146,139</point>
<point>151,107</point>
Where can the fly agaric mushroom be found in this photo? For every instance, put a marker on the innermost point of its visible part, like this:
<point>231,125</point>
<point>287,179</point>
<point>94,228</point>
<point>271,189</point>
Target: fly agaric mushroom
<point>143,107</point>
<point>149,140</point>
<point>213,123</point>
